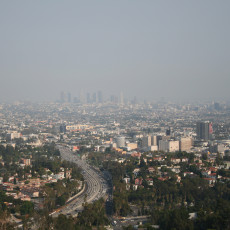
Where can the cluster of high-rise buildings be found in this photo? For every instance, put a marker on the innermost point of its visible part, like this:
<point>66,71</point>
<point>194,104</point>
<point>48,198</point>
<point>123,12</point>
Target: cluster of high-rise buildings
<point>91,98</point>
<point>166,143</point>
<point>65,97</point>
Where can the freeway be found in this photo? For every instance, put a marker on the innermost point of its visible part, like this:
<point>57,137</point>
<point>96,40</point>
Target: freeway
<point>95,184</point>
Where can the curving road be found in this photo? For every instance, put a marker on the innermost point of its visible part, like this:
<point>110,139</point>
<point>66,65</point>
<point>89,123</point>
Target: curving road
<point>95,184</point>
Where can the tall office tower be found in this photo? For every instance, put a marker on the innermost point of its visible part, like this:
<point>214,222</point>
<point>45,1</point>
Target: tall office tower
<point>154,140</point>
<point>168,131</point>
<point>100,97</point>
<point>158,139</point>
<point>69,98</point>
<point>88,99</point>
<point>75,100</point>
<point>146,141</point>
<point>62,97</point>
<point>217,106</point>
<point>94,99</point>
<point>163,145</point>
<point>121,99</point>
<point>113,99</point>
<point>134,101</point>
<point>81,97</point>
<point>62,128</point>
<point>204,130</point>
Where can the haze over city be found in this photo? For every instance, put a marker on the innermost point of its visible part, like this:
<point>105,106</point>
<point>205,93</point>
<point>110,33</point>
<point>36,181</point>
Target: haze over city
<point>114,115</point>
<point>149,49</point>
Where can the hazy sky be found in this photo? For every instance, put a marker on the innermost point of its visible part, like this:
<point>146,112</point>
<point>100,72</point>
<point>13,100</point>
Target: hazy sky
<point>151,49</point>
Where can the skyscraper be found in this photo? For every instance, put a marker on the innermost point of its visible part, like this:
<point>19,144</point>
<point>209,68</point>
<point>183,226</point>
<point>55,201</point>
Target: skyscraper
<point>81,97</point>
<point>203,130</point>
<point>100,97</point>
<point>88,98</point>
<point>62,97</point>
<point>63,129</point>
<point>146,141</point>
<point>168,131</point>
<point>121,99</point>
<point>69,98</point>
<point>94,98</point>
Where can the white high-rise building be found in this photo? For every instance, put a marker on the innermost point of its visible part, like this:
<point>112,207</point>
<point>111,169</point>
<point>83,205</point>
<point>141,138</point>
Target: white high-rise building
<point>174,146</point>
<point>185,144</point>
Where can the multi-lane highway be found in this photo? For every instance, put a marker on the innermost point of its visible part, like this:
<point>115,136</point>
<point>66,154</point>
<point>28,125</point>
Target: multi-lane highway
<point>95,184</point>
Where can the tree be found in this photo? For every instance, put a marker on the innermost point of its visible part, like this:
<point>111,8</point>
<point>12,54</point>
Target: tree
<point>204,156</point>
<point>27,208</point>
<point>63,222</point>
<point>61,200</point>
